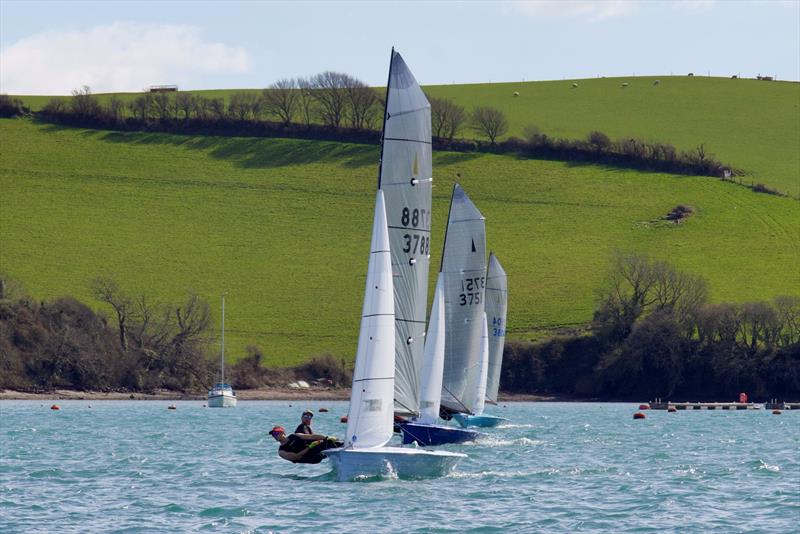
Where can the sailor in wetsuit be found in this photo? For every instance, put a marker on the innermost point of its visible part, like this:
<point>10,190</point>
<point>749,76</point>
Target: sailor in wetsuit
<point>303,448</point>
<point>305,423</point>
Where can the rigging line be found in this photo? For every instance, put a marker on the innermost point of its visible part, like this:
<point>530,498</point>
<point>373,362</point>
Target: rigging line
<point>376,314</point>
<point>409,321</point>
<point>385,114</point>
<point>408,140</point>
<point>456,398</point>
<point>406,407</point>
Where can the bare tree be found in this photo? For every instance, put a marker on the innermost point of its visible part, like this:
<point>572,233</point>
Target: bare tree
<point>447,118</point>
<point>107,290</point>
<point>362,101</point>
<point>244,105</point>
<point>185,103</point>
<point>216,107</point>
<point>788,310</point>
<point>140,106</point>
<point>305,101</point>
<point>83,103</point>
<point>163,105</point>
<point>116,108</point>
<point>329,91</point>
<point>490,122</point>
<point>280,99</point>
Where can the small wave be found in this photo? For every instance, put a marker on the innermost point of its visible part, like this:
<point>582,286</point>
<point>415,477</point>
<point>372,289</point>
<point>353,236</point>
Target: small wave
<point>47,473</point>
<point>768,467</point>
<point>223,511</point>
<point>174,508</point>
<point>513,425</point>
<point>495,442</point>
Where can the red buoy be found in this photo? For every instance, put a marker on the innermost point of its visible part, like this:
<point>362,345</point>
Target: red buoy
<point>323,410</point>
<point>743,398</point>
<point>343,419</point>
<point>55,407</point>
<point>639,415</point>
<point>644,406</point>
<point>776,412</point>
<point>672,409</point>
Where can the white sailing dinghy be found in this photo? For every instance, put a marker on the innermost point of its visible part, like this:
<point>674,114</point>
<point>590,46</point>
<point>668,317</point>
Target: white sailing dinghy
<point>370,417</point>
<point>463,273</point>
<point>222,395</point>
<point>495,304</point>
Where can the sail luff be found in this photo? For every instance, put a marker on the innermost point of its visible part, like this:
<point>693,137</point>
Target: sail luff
<point>370,418</point>
<point>433,362</point>
<point>496,310</point>
<point>479,400</point>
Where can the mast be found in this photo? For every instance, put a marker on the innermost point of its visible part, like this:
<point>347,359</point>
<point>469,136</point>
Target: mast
<point>222,352</point>
<point>385,113</point>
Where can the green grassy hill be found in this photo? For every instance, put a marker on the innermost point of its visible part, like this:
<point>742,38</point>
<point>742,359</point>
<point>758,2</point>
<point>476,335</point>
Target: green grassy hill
<point>283,226</point>
<point>752,125</point>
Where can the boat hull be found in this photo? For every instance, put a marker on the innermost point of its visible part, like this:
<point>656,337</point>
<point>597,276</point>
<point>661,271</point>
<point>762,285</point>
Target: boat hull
<point>435,434</point>
<point>352,464</point>
<point>221,401</point>
<point>478,420</point>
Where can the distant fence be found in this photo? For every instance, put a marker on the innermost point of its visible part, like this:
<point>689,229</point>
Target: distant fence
<point>163,88</point>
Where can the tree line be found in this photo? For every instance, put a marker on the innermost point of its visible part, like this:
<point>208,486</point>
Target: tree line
<point>338,106</point>
<point>139,345</point>
<point>654,334</point>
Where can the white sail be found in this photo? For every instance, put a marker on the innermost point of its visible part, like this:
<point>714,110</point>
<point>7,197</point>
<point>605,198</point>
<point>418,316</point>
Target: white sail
<point>464,275</point>
<point>370,418</point>
<point>479,399</point>
<point>433,363</point>
<point>405,178</point>
<point>496,307</point>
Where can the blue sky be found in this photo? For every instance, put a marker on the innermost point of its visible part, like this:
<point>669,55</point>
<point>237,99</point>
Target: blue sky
<point>53,47</point>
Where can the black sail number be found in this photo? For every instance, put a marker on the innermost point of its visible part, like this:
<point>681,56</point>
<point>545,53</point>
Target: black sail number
<point>471,291</point>
<point>416,244</point>
<point>415,218</point>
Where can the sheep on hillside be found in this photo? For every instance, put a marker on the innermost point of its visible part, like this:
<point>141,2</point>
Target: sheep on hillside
<point>574,85</point>
<point>516,93</point>
<point>656,82</point>
<point>624,84</point>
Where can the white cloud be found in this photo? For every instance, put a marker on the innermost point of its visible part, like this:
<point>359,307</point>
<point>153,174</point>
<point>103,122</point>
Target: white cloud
<point>592,10</point>
<point>122,56</point>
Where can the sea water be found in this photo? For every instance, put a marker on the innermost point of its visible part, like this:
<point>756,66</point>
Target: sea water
<point>136,466</point>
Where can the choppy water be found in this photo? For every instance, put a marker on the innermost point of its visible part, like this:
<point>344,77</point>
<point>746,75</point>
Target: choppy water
<point>136,466</point>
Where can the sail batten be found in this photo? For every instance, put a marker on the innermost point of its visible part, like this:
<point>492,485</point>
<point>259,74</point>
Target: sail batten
<point>405,179</point>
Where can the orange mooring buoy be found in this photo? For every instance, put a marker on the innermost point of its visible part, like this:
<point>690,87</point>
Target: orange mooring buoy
<point>343,419</point>
<point>644,406</point>
<point>672,409</point>
<point>55,407</point>
<point>776,412</point>
<point>639,415</point>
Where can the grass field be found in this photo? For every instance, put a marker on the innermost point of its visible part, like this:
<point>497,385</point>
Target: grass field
<point>752,125</point>
<point>283,226</point>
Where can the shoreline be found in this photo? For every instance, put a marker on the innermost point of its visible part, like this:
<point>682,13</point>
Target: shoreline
<point>311,394</point>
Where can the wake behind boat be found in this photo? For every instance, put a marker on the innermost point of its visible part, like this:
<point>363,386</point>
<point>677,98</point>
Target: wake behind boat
<point>222,395</point>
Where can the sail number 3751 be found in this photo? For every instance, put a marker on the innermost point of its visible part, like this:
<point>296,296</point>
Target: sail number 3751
<point>471,291</point>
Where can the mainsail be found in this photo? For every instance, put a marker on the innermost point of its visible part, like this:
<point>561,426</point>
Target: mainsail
<point>464,274</point>
<point>369,421</point>
<point>433,365</point>
<point>405,179</point>
<point>496,307</point>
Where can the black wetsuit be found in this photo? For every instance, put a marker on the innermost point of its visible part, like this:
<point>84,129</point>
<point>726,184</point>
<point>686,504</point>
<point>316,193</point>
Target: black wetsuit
<point>297,444</point>
<point>303,429</point>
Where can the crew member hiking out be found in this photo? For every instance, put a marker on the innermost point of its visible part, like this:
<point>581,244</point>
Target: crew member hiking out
<point>303,448</point>
<point>305,423</point>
